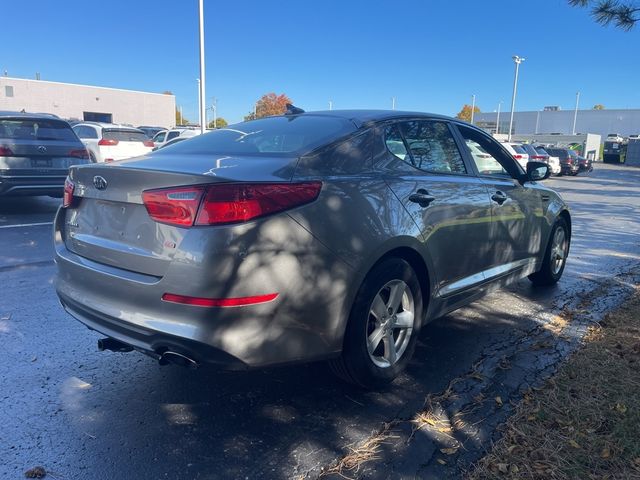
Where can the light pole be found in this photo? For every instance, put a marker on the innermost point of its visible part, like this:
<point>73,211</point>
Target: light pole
<point>575,114</point>
<point>214,107</point>
<point>200,112</point>
<point>498,119</point>
<point>203,127</point>
<point>330,105</point>
<point>393,103</point>
<point>473,107</point>
<point>517,60</point>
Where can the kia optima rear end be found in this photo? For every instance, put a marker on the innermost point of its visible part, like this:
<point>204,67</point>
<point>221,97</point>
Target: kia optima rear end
<point>189,254</point>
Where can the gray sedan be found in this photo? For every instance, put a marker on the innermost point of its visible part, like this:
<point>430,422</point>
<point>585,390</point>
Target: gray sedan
<point>328,235</point>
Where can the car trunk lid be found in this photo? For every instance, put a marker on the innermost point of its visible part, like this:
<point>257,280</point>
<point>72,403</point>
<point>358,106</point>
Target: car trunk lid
<point>109,223</point>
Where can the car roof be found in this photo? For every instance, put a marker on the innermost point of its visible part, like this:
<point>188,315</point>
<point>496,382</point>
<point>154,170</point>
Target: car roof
<point>107,125</point>
<point>8,113</point>
<point>363,117</point>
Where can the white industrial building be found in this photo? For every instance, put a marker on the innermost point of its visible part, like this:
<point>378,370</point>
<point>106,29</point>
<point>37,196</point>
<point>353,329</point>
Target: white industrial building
<point>84,102</point>
<point>601,122</point>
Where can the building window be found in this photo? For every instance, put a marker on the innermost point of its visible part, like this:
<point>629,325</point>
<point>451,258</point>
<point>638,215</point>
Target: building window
<point>97,117</point>
<point>8,90</point>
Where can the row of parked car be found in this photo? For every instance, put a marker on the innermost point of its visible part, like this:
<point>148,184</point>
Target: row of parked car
<point>563,161</point>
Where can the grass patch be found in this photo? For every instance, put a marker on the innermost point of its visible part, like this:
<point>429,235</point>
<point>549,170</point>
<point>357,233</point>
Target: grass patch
<point>585,421</point>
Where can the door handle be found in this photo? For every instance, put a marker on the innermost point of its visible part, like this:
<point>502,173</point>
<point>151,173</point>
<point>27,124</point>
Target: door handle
<point>422,198</point>
<point>499,197</point>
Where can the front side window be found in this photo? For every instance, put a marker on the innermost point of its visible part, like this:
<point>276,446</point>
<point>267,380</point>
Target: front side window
<point>428,145</point>
<point>489,157</point>
<point>160,137</point>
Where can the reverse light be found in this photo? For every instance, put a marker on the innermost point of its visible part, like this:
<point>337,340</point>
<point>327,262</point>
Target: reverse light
<point>226,203</point>
<point>219,302</point>
<point>67,197</point>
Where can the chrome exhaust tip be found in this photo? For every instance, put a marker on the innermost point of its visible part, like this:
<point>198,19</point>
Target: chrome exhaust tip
<point>177,359</point>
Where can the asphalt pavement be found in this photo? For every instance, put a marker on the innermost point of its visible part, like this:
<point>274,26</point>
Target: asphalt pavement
<point>80,413</point>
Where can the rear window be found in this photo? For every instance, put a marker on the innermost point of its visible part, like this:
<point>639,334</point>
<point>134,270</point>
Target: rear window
<point>274,135</point>
<point>124,135</point>
<point>518,149</point>
<point>36,129</point>
<point>541,151</point>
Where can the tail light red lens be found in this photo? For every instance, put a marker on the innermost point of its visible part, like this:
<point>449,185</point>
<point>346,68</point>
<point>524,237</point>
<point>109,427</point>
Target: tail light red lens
<point>227,203</point>
<point>237,203</point>
<point>175,206</point>
<point>80,153</point>
<point>5,151</point>
<point>149,143</point>
<point>67,197</point>
<point>517,157</point>
<point>219,302</point>
<point>107,142</point>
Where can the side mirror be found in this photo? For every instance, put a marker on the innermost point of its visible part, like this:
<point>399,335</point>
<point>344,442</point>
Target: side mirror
<point>537,171</point>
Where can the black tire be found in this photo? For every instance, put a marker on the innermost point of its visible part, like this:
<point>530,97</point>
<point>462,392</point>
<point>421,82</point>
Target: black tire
<point>92,157</point>
<point>356,364</point>
<point>548,274</point>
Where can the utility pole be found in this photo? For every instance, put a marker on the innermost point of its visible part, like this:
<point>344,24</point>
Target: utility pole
<point>517,60</point>
<point>473,107</point>
<point>203,113</point>
<point>181,117</point>
<point>498,119</point>
<point>575,114</point>
<point>393,103</point>
<point>214,107</point>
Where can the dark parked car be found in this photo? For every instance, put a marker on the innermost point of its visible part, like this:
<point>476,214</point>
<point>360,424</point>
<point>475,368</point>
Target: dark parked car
<point>569,162</point>
<point>334,235</point>
<point>36,151</point>
<point>586,164</point>
<point>151,131</point>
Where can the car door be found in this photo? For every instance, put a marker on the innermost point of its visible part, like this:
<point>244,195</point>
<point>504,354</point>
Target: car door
<point>447,201</point>
<point>516,209</point>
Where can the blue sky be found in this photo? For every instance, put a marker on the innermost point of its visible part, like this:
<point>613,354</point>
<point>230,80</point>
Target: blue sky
<point>431,55</point>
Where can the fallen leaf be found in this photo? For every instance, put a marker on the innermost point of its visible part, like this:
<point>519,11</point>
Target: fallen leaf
<point>503,467</point>
<point>574,444</point>
<point>441,461</point>
<point>531,418</point>
<point>605,453</point>
<point>514,469</point>
<point>621,408</point>
<point>36,472</point>
<point>498,401</point>
<point>449,451</point>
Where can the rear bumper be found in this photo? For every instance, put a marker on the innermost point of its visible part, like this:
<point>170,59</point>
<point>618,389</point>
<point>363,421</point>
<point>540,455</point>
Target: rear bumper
<point>32,184</point>
<point>302,324</point>
<point>568,169</point>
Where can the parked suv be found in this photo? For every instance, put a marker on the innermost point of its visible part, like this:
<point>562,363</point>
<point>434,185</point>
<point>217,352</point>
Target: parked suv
<point>151,131</point>
<point>36,151</point>
<point>161,138</point>
<point>569,162</point>
<point>108,142</point>
<point>519,153</point>
<point>539,154</point>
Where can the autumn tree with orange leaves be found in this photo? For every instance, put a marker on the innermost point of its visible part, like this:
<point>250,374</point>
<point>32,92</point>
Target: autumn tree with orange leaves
<point>269,104</point>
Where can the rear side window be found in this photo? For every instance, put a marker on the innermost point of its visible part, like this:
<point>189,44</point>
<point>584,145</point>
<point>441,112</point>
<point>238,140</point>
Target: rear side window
<point>86,132</point>
<point>286,135</point>
<point>124,135</point>
<point>172,135</point>
<point>160,137</point>
<point>36,129</point>
<point>431,147</point>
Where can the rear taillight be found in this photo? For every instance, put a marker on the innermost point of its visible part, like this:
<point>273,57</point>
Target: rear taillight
<point>149,143</point>
<point>228,203</point>
<point>79,153</point>
<point>175,206</point>
<point>237,203</point>
<point>67,197</point>
<point>537,157</point>
<point>5,151</point>
<point>108,142</point>
<point>517,156</point>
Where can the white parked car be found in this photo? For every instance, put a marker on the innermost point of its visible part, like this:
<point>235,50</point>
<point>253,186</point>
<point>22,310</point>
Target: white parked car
<point>163,137</point>
<point>107,142</point>
<point>614,137</point>
<point>517,152</point>
<point>554,162</point>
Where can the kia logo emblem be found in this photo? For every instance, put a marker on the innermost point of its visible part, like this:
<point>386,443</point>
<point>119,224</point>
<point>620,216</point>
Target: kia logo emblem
<point>99,182</point>
<point>42,148</point>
